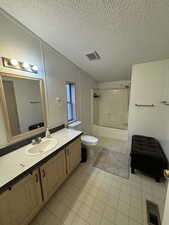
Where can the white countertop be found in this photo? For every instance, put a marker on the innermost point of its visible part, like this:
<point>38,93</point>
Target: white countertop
<point>10,164</point>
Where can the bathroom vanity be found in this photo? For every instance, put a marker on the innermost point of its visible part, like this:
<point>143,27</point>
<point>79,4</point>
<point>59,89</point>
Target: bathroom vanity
<point>28,181</point>
<point>32,172</point>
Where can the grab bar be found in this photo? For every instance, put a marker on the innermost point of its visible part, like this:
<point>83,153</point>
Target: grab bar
<point>138,105</point>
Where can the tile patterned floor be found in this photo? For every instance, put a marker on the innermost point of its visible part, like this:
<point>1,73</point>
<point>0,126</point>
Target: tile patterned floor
<point>93,197</point>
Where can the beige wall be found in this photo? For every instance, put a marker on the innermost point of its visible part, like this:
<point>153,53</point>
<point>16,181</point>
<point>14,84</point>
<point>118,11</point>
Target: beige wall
<point>19,43</point>
<point>150,85</point>
<point>59,70</point>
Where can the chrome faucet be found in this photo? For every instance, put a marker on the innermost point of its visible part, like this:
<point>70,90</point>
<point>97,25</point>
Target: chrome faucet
<point>48,134</point>
<point>36,140</point>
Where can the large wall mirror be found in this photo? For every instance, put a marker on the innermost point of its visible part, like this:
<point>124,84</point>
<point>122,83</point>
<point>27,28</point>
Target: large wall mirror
<point>23,104</point>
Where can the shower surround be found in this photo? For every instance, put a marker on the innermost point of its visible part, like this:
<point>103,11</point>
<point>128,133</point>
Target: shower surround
<point>110,102</point>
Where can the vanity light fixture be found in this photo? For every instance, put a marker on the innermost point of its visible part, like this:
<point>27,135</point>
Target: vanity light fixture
<point>26,66</point>
<point>14,64</point>
<point>35,68</point>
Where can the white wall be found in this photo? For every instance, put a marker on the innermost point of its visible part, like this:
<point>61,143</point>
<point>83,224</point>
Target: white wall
<point>150,85</point>
<point>19,43</point>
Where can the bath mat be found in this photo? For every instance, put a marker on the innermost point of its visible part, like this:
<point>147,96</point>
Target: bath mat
<point>113,162</point>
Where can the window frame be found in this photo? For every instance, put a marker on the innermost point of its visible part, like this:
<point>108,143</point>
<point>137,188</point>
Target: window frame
<point>72,101</point>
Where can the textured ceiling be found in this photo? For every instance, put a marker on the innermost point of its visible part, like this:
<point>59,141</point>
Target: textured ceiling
<point>123,32</point>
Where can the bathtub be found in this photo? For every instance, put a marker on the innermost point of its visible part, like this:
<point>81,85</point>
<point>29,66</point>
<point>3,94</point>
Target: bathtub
<point>110,132</point>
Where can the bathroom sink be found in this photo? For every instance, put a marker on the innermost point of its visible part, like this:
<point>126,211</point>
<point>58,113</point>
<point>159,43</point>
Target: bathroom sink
<point>44,146</point>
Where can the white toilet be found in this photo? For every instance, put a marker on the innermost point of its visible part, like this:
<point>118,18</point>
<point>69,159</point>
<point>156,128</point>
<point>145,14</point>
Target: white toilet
<point>88,141</point>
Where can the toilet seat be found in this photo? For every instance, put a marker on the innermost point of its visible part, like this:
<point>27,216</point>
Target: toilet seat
<point>89,140</point>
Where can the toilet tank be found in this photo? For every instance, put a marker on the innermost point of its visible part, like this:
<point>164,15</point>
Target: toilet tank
<point>76,125</point>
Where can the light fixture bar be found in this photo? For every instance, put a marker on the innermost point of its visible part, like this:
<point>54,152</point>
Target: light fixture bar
<point>17,65</point>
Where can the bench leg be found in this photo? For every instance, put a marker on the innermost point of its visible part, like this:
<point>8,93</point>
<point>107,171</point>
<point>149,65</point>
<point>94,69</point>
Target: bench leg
<point>132,170</point>
<point>157,179</point>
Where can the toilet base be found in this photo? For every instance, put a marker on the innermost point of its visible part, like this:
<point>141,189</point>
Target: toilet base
<point>84,154</point>
<point>91,152</point>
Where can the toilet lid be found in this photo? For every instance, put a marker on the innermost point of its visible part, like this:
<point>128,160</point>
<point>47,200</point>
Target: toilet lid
<point>89,140</point>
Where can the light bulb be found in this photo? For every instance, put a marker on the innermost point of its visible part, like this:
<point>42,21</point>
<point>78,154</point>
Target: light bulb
<point>35,68</point>
<point>26,66</point>
<point>14,62</point>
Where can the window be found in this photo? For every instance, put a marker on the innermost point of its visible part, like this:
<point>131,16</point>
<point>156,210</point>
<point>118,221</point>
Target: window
<point>70,97</point>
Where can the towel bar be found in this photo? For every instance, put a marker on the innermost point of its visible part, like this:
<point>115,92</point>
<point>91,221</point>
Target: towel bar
<point>138,105</point>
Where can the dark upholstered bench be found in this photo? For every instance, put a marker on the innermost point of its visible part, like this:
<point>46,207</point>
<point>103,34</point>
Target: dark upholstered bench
<point>147,155</point>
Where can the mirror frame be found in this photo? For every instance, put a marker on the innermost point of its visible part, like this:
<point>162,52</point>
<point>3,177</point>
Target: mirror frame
<point>3,102</point>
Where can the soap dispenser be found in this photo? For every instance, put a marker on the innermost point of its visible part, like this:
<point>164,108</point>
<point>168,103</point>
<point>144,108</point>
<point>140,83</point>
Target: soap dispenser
<point>48,134</point>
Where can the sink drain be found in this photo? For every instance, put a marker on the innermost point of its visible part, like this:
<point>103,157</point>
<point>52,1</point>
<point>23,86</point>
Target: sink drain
<point>153,215</point>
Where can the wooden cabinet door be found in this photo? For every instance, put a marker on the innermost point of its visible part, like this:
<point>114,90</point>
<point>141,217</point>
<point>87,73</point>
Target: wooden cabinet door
<point>5,218</point>
<point>25,199</point>
<point>53,173</point>
<point>73,153</point>
<point>21,202</point>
